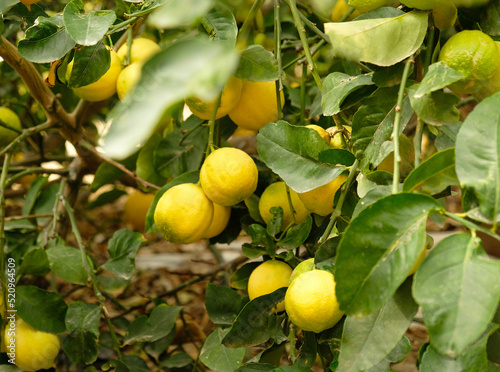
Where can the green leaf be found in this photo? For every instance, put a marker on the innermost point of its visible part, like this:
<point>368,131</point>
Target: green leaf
<point>275,223</point>
<point>324,258</point>
<point>218,357</point>
<point>46,41</point>
<point>194,67</point>
<point>122,248</point>
<point>223,304</point>
<point>296,235</point>
<point>178,360</point>
<point>35,262</point>
<point>436,108</point>
<point>256,367</point>
<point>175,13</point>
<point>5,6</point>
<point>86,29</point>
<point>106,198</point>
<point>337,157</point>
<point>66,262</point>
<point>457,315</point>
<point>257,64</point>
<point>378,250</point>
<point>308,351</point>
<point>89,65</point>
<point>145,167</point>
<point>395,356</point>
<point>257,322</point>
<point>337,86</point>
<point>44,311</point>
<point>372,40</point>
<point>492,347</point>
<point>374,194</point>
<point>45,203</point>
<point>239,279</point>
<point>160,323</point>
<point>437,77</point>
<point>447,136</point>
<point>434,174</point>
<point>478,155</point>
<point>107,173</point>
<point>367,340</point>
<point>82,320</point>
<point>261,238</point>
<point>32,194</point>
<point>285,148</point>
<point>490,18</point>
<point>221,25</point>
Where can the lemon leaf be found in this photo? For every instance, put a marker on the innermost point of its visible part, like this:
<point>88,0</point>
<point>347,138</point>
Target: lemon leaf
<point>372,40</point>
<point>436,108</point>
<point>337,86</point>
<point>257,64</point>
<point>221,25</point>
<point>122,248</point>
<point>66,262</point>
<point>89,65</point>
<point>175,13</point>
<point>437,77</point>
<point>216,356</point>
<point>223,303</point>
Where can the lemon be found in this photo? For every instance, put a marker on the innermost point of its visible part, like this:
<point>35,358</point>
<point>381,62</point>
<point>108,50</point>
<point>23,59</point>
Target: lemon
<point>136,208</point>
<point>322,132</point>
<point>301,268</point>
<point>268,277</point>
<point>475,55</point>
<point>239,132</point>
<point>340,9</point>
<point>183,213</point>
<point>363,6</point>
<point>258,105</point>
<point>10,118</point>
<point>493,84</point>
<point>311,302</point>
<point>320,199</point>
<point>28,3</point>
<point>103,88</point>
<point>275,195</point>
<point>142,50</point>
<point>219,221</point>
<point>128,79</point>
<point>228,176</point>
<point>444,15</point>
<point>229,99</point>
<point>336,141</point>
<point>422,4</point>
<point>34,349</point>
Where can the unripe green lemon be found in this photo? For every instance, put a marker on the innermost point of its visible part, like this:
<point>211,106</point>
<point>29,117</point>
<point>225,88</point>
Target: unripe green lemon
<point>493,85</point>
<point>10,118</point>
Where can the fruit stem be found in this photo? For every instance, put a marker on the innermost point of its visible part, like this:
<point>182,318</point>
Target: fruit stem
<point>340,203</point>
<point>211,126</point>
<point>289,197</point>
<point>25,134</point>
<point>470,225</point>
<point>277,55</point>
<point>314,50</point>
<point>303,97</point>
<point>3,180</point>
<point>130,37</point>
<point>120,25</point>
<point>397,122</point>
<point>417,142</point>
<point>429,48</point>
<point>303,39</point>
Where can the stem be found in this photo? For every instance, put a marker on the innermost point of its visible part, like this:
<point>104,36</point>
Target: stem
<point>25,134</point>
<point>28,217</point>
<point>417,142</point>
<point>246,27</point>
<point>470,225</point>
<point>340,203</point>
<point>397,122</point>
<point>3,180</point>
<point>313,27</point>
<point>429,49</point>
<point>130,39</point>
<point>303,97</point>
<point>277,55</point>
<point>303,39</point>
<point>38,170</point>
<point>292,209</point>
<point>120,25</point>
<point>211,125</point>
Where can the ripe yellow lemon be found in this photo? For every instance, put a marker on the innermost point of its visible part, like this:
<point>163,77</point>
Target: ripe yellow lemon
<point>183,213</point>
<point>301,268</point>
<point>229,99</point>
<point>33,350</point>
<point>128,79</point>
<point>275,195</point>
<point>473,54</point>
<point>493,84</point>
<point>103,88</point>
<point>268,277</point>
<point>142,50</point>
<point>322,132</point>
<point>336,141</point>
<point>311,302</point>
<point>320,200</point>
<point>257,106</point>
<point>136,208</point>
<point>219,221</point>
<point>363,6</point>
<point>228,176</point>
<point>10,118</point>
<point>340,9</point>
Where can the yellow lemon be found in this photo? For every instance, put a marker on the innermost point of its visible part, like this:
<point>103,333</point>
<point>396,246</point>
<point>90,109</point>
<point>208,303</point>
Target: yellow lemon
<point>322,132</point>
<point>341,7</point>
<point>183,213</point>
<point>363,6</point>
<point>275,195</point>
<point>228,176</point>
<point>229,99</point>
<point>142,49</point>
<point>311,302</point>
<point>219,221</point>
<point>136,208</point>
<point>475,55</point>
<point>336,141</point>
<point>320,200</point>
<point>258,105</point>
<point>10,118</point>
<point>103,88</point>
<point>268,277</point>
<point>128,79</point>
<point>33,350</point>
<point>301,268</point>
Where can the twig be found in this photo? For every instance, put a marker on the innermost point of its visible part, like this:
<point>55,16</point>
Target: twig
<point>25,134</point>
<point>277,55</point>
<point>28,217</point>
<point>211,124</point>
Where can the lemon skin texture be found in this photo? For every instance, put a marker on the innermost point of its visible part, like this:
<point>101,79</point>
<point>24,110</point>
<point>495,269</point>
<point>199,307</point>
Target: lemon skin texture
<point>475,55</point>
<point>229,99</point>
<point>301,268</point>
<point>136,208</point>
<point>311,302</point>
<point>128,79</point>
<point>183,214</point>
<point>258,105</point>
<point>103,88</point>
<point>322,132</point>
<point>9,117</point>
<point>219,221</point>
<point>320,200</point>
<point>142,50</point>
<point>493,84</point>
<point>268,277</point>
<point>228,176</point>
<point>35,350</point>
<point>275,196</point>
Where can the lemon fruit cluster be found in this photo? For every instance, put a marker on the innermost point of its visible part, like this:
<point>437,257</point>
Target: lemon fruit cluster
<point>189,212</point>
<point>250,105</point>
<point>268,277</point>
<point>311,301</point>
<point>34,350</point>
<point>10,118</point>
<point>474,54</point>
